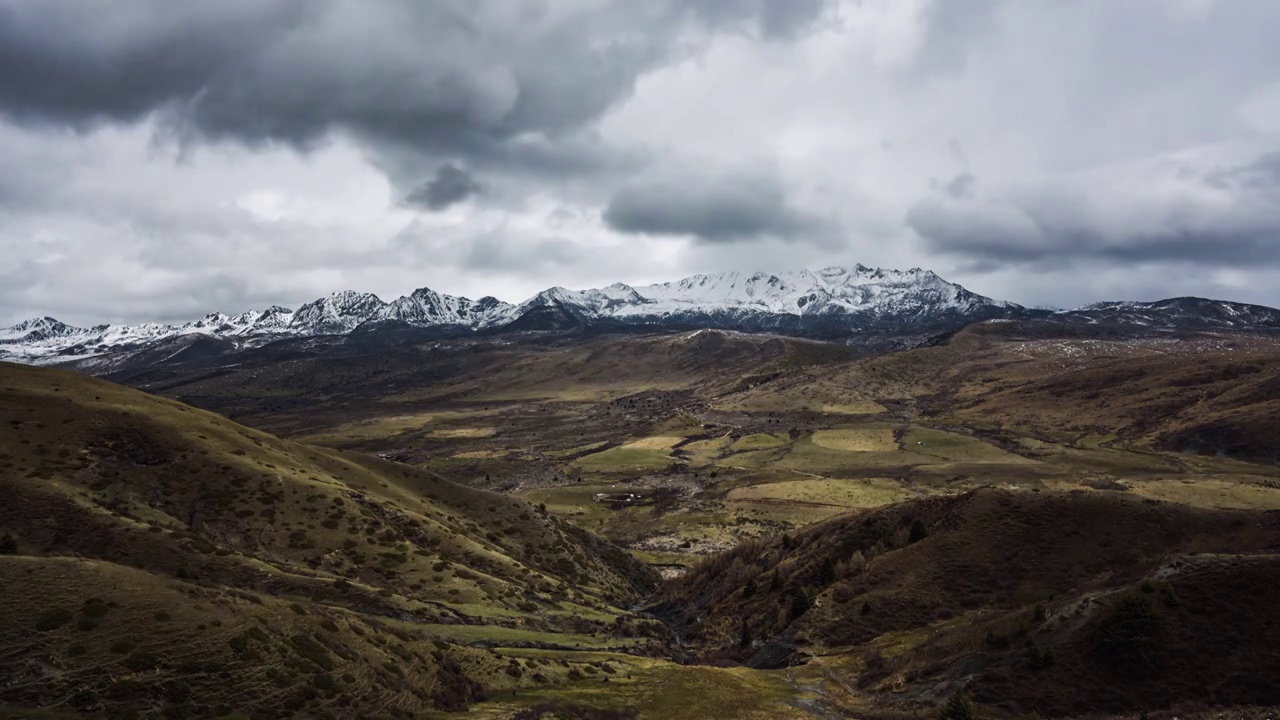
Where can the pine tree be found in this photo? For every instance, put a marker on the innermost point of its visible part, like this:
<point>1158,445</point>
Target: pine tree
<point>744,639</point>
<point>8,545</point>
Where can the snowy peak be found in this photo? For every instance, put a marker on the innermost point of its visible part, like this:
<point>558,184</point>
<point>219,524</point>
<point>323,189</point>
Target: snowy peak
<point>425,306</point>
<point>338,313</point>
<point>858,289</point>
<point>36,329</point>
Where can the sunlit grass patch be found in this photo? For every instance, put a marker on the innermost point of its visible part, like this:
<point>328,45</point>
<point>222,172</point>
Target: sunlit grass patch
<point>659,442</point>
<point>871,439</point>
<point>758,441</point>
<point>481,454</point>
<point>624,458</point>
<point>955,447</point>
<point>664,691</point>
<point>870,492</point>
<point>465,432</point>
<point>1203,492</point>
<point>857,407</point>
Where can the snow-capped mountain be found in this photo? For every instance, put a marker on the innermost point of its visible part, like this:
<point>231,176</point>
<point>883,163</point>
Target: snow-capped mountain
<point>841,303</point>
<point>37,330</point>
<point>875,292</point>
<point>425,307</point>
<point>339,313</point>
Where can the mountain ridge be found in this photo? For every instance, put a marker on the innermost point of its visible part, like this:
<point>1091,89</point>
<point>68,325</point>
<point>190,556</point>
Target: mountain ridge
<point>833,303</point>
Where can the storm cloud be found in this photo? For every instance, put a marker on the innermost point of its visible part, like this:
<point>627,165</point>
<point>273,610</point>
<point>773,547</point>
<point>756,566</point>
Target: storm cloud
<point>499,82</point>
<point>450,185</point>
<point>711,207</point>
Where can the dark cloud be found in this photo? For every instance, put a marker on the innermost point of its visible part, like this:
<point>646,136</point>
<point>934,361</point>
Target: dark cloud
<point>450,185</point>
<point>1170,210</point>
<point>711,207</point>
<point>498,83</point>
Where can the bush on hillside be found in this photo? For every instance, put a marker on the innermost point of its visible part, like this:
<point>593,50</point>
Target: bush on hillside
<point>1128,638</point>
<point>959,707</point>
<point>918,532</point>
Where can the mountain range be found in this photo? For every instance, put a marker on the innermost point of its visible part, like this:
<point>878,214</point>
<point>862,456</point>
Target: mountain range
<point>835,303</point>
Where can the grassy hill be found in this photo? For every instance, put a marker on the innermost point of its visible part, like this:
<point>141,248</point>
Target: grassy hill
<point>163,556</point>
<point>1058,603</point>
<point>1068,521</point>
<point>717,438</point>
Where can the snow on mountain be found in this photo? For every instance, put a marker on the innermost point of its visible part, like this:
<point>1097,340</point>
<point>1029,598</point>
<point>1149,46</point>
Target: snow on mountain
<point>338,313</point>
<point>833,290</point>
<point>837,290</point>
<point>37,329</point>
<point>426,307</point>
<point>832,302</point>
<point>720,299</point>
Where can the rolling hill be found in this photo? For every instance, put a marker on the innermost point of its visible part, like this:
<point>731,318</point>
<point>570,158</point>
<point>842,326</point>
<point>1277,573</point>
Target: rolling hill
<point>1064,604</point>
<point>158,557</point>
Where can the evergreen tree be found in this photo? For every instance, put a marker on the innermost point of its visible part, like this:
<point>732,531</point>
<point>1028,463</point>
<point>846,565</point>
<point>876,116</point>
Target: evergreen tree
<point>8,545</point>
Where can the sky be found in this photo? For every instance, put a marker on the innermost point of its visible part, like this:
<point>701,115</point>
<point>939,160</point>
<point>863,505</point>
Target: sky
<point>161,160</point>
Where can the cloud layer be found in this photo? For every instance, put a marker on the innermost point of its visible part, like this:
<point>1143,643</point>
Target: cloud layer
<point>170,158</point>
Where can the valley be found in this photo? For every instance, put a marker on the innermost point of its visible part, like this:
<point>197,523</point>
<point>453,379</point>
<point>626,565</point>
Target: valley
<point>701,523</point>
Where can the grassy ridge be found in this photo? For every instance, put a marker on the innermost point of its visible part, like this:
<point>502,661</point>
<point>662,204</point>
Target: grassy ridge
<point>149,508</point>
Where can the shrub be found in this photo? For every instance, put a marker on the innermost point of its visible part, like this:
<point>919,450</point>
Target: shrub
<point>1038,659</point>
<point>1128,637</point>
<point>313,651</point>
<point>918,532</point>
<point>958,707</point>
<point>799,604</point>
<point>826,572</point>
<point>95,608</point>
